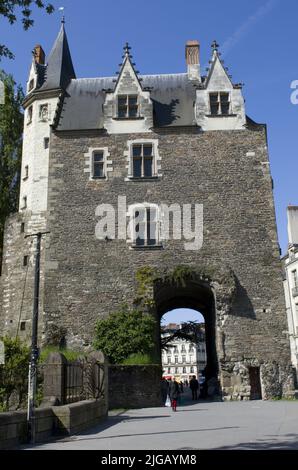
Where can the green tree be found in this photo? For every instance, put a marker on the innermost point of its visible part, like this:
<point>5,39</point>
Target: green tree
<point>14,374</point>
<point>11,128</point>
<point>9,9</point>
<point>125,333</point>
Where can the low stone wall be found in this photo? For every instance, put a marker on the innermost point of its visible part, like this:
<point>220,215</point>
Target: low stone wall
<point>134,386</point>
<point>55,420</point>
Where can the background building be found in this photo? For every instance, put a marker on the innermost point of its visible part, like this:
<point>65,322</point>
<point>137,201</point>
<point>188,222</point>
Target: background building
<point>182,358</point>
<point>290,264</point>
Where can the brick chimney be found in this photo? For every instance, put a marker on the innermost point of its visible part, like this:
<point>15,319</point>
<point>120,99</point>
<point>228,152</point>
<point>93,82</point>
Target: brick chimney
<point>39,55</point>
<point>192,55</point>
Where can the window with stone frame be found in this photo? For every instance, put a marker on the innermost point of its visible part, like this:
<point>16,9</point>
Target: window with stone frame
<point>98,164</point>
<point>31,85</point>
<point>44,112</point>
<point>184,370</point>
<point>191,369</point>
<point>143,160</point>
<point>29,114</point>
<point>24,203</point>
<point>144,226</point>
<point>127,106</point>
<point>219,103</point>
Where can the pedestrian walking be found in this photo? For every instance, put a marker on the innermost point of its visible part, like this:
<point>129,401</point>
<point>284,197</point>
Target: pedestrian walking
<point>194,386</point>
<point>174,393</point>
<point>164,390</point>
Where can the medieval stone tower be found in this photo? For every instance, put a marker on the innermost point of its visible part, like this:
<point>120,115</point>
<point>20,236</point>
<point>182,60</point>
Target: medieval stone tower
<point>157,139</point>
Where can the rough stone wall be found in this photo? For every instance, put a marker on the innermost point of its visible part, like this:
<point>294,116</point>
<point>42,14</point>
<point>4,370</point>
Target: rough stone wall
<point>134,386</point>
<point>17,280</point>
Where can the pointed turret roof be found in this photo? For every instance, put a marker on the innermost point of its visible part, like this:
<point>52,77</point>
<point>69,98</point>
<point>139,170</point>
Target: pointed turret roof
<point>59,68</point>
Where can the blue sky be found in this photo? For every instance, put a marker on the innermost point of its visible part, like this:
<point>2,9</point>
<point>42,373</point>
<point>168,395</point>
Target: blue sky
<point>260,46</point>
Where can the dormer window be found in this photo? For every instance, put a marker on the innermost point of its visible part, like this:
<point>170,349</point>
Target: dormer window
<point>128,106</point>
<point>31,85</point>
<point>219,103</point>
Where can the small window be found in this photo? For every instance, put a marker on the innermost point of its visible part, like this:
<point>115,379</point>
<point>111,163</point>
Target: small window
<point>169,370</point>
<point>98,165</point>
<point>142,160</point>
<point>24,204</point>
<point>25,260</point>
<point>23,326</point>
<point>184,370</point>
<point>176,359</point>
<point>26,172</point>
<point>46,142</point>
<point>128,106</point>
<point>31,85</point>
<point>169,359</point>
<point>29,114</point>
<point>219,103</point>
<point>43,112</point>
<point>192,370</point>
<point>22,227</point>
<point>176,370</point>
<point>183,359</point>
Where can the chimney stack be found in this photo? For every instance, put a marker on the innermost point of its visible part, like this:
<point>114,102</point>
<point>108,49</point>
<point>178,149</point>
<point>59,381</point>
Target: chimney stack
<point>39,55</point>
<point>293,225</point>
<point>192,55</point>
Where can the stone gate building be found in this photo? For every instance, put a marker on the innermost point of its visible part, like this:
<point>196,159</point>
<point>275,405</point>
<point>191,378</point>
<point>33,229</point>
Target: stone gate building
<point>153,139</point>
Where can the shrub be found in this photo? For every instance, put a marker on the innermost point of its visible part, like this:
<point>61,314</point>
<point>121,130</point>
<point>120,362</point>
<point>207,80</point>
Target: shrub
<point>123,333</point>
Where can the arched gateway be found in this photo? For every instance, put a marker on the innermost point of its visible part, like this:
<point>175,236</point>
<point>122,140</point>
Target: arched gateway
<point>240,372</point>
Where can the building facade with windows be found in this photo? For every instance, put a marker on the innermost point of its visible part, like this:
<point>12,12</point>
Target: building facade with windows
<point>181,358</point>
<point>290,265</point>
<point>102,157</point>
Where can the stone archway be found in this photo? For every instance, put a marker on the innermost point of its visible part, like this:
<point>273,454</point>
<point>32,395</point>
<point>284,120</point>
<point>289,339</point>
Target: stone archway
<point>207,289</point>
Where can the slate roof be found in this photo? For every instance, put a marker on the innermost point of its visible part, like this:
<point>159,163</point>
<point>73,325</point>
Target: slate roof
<point>59,70</point>
<point>173,99</point>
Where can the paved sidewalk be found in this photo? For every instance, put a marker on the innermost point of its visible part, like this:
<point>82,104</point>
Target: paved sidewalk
<point>228,425</point>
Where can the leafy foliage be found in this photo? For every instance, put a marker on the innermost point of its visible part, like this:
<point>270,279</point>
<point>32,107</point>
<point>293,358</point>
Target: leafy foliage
<point>14,374</point>
<point>190,331</point>
<point>123,333</point>
<point>9,10</point>
<point>11,128</point>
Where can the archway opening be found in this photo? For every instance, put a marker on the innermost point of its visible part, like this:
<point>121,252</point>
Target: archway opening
<point>195,301</point>
<point>183,345</point>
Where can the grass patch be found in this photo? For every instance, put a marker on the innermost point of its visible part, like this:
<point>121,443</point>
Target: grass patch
<point>138,359</point>
<point>69,354</point>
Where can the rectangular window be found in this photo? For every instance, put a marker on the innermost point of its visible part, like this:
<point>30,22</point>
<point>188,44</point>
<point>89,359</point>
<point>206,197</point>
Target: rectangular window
<point>143,159</point>
<point>98,165</point>
<point>219,103</point>
<point>26,172</point>
<point>295,279</point>
<point>176,359</point>
<point>29,115</point>
<point>191,370</point>
<point>183,359</point>
<point>145,226</point>
<point>184,370</point>
<point>46,142</point>
<point>169,370</point>
<point>23,326</point>
<point>128,106</point>
<point>24,205</point>
<point>22,227</point>
<point>25,260</point>
<point>169,359</point>
<point>31,85</point>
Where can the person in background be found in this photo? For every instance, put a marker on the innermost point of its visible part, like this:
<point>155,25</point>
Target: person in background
<point>194,386</point>
<point>164,390</point>
<point>174,393</point>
